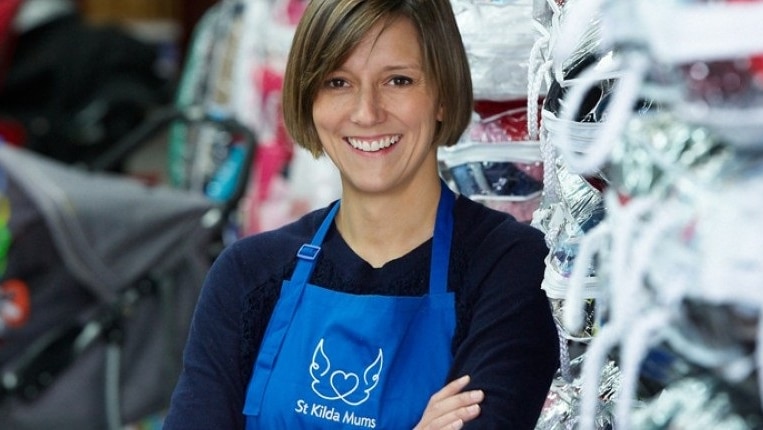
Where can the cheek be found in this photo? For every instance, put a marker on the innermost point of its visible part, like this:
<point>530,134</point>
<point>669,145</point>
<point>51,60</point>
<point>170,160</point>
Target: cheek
<point>326,113</point>
<point>320,119</point>
<point>325,125</point>
<point>317,111</point>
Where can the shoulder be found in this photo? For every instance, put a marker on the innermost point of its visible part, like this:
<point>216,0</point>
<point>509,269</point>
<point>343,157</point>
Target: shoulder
<point>493,253</point>
<point>273,249</point>
<point>480,228</point>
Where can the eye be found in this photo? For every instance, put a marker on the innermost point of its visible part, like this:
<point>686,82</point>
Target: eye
<point>400,81</point>
<point>335,83</point>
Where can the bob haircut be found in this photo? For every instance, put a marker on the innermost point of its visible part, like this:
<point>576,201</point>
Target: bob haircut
<point>330,29</point>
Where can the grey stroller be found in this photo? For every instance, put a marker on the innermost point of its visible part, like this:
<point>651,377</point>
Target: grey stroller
<point>99,275</point>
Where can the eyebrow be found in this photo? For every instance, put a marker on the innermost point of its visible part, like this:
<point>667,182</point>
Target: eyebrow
<point>404,67</point>
<point>391,68</point>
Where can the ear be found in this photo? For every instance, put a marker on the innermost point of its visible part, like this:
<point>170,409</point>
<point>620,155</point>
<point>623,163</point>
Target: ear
<point>439,112</point>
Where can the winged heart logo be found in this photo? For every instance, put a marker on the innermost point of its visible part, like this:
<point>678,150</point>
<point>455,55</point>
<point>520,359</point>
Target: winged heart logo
<point>341,384</point>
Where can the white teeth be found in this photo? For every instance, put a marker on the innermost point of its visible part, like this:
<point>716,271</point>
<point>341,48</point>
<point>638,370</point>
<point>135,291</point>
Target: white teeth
<point>373,145</point>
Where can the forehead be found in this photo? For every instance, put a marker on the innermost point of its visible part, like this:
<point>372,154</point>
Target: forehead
<point>392,40</point>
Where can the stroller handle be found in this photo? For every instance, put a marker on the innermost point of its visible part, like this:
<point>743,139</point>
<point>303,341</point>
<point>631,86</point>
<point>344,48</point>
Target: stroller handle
<point>190,115</point>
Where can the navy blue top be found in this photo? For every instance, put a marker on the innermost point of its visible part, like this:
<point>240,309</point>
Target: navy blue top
<point>505,337</point>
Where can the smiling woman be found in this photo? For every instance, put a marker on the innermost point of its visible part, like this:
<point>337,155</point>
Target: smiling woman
<point>334,35</point>
<point>401,305</point>
<point>381,95</point>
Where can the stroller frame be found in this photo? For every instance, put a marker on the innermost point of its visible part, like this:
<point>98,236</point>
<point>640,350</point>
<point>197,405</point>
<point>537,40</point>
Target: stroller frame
<point>31,374</point>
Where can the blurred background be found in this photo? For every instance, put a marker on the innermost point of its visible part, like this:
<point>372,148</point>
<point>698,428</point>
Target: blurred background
<point>139,137</point>
<point>76,75</point>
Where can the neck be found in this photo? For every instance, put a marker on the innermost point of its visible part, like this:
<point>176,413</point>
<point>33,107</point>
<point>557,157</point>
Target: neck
<point>381,228</point>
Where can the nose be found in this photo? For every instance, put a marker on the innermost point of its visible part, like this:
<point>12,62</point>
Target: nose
<point>368,109</point>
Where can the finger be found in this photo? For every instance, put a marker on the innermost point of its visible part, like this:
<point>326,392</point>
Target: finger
<point>457,402</point>
<point>451,388</point>
<point>453,411</point>
<point>456,419</point>
<point>451,407</point>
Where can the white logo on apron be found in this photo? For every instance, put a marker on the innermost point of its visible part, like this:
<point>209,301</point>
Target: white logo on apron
<point>342,385</point>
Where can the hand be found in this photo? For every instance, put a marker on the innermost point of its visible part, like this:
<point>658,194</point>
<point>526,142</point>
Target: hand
<point>449,408</point>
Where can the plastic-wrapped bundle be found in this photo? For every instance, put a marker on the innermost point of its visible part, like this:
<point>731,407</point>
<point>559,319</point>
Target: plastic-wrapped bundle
<point>572,204</point>
<point>561,409</point>
<point>498,36</point>
<point>567,42</point>
<point>663,175</point>
<point>494,165</point>
<point>699,402</point>
<point>681,225</point>
<point>712,50</point>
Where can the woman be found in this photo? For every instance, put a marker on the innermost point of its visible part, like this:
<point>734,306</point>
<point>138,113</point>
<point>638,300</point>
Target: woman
<point>401,305</point>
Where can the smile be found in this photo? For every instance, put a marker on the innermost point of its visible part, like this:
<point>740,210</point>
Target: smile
<point>375,144</point>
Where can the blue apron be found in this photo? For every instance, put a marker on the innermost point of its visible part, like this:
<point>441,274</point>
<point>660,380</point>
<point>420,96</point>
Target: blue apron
<point>332,360</point>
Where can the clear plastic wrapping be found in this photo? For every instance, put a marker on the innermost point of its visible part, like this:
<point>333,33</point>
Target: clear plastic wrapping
<point>491,166</point>
<point>498,36</point>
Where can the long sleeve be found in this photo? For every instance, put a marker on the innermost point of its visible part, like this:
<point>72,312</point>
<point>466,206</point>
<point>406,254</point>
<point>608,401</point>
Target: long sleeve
<point>209,393</point>
<point>510,347</point>
<point>506,339</point>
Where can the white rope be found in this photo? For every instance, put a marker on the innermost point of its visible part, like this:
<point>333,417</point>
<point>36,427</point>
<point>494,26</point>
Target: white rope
<point>618,113</point>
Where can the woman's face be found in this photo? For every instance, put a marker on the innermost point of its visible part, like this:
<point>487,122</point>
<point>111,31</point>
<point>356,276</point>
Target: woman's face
<point>376,114</point>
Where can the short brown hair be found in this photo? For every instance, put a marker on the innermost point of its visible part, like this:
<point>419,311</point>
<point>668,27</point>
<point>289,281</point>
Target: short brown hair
<point>330,29</point>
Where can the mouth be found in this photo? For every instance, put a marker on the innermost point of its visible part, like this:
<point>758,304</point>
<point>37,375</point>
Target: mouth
<point>373,145</point>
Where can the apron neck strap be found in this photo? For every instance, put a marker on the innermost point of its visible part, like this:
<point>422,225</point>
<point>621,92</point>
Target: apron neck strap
<point>308,252</point>
<point>443,232</point>
<point>438,269</point>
